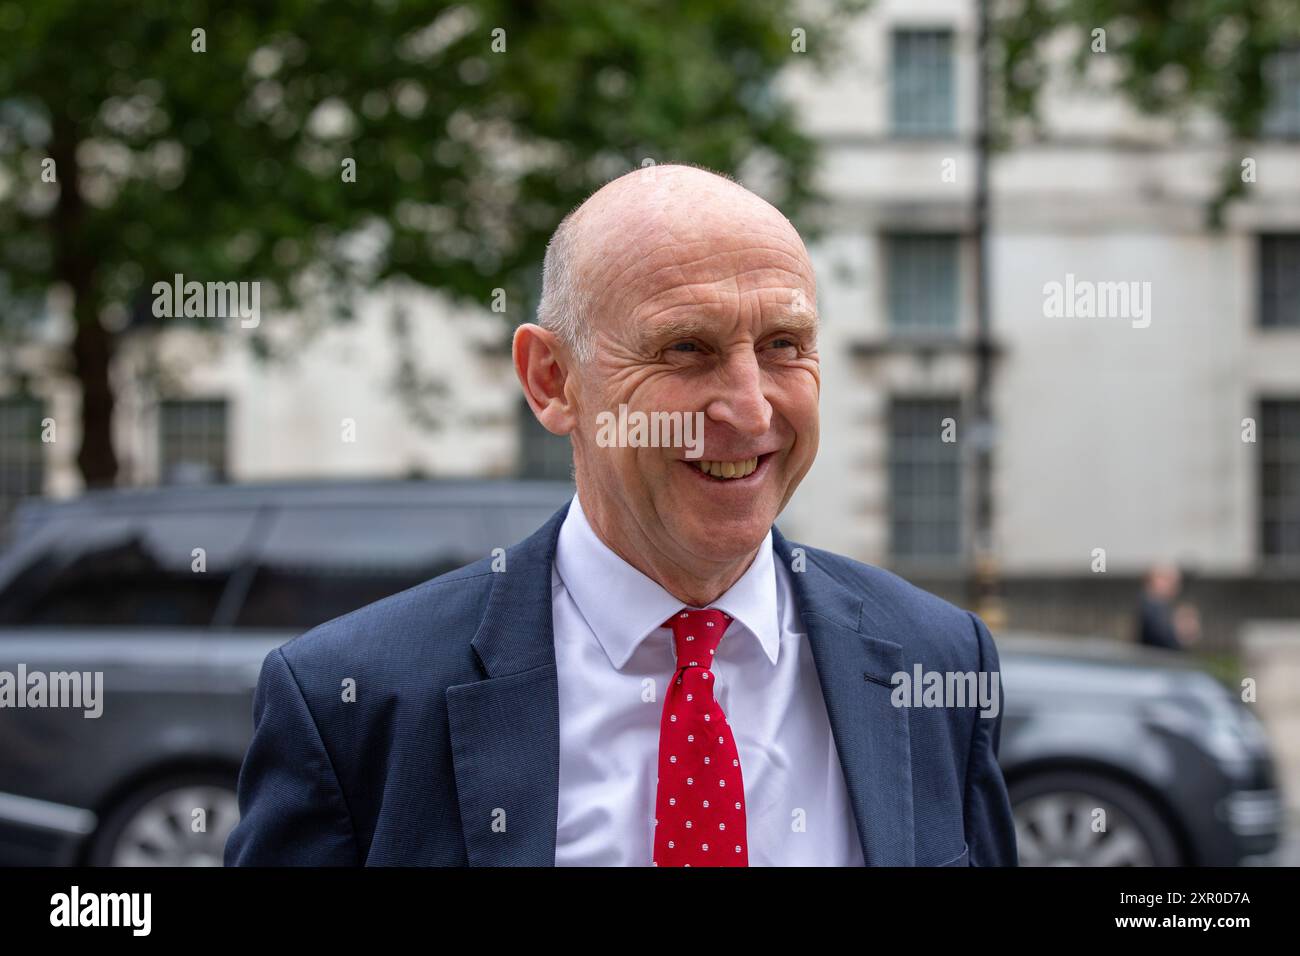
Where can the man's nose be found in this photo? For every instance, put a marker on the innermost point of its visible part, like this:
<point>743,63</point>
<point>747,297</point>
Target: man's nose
<point>742,404</point>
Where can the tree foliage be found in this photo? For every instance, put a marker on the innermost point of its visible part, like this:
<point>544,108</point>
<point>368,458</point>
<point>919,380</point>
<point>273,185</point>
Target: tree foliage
<point>474,127</point>
<point>1166,57</point>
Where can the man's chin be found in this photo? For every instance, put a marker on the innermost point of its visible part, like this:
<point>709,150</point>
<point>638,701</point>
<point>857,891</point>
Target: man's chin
<point>719,519</point>
<point>721,539</point>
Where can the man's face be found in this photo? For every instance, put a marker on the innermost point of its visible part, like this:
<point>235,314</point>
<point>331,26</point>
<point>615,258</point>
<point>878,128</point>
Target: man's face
<point>711,312</point>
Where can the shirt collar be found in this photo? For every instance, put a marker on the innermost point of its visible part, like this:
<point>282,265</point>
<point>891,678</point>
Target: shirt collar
<point>623,607</point>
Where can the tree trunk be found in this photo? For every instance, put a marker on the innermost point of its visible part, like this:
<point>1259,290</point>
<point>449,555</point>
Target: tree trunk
<point>92,352</point>
<point>92,344</point>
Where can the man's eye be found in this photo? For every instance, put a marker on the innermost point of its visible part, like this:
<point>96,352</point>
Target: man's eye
<point>783,344</point>
<point>683,347</point>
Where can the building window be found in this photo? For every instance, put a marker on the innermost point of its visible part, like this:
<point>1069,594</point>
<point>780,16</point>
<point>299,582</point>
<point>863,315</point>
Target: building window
<point>542,456</point>
<point>1279,500</point>
<point>192,440</point>
<point>925,505</point>
<point>922,83</point>
<point>922,274</point>
<point>1282,80</point>
<point>22,453</point>
<point>1279,281</point>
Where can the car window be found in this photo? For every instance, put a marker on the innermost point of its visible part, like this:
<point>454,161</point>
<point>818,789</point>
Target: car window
<point>143,570</point>
<point>316,564</point>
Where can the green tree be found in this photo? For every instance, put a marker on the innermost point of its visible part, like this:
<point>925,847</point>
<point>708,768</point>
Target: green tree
<point>212,140</point>
<point>1167,57</point>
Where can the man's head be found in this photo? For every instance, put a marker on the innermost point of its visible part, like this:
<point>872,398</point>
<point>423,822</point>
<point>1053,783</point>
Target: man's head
<point>673,289</point>
<point>1164,581</point>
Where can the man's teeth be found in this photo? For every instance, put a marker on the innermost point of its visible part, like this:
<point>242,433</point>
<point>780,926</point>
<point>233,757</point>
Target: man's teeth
<point>728,469</point>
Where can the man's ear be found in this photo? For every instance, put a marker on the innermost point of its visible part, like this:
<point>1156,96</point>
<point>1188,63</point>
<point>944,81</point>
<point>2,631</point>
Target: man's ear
<point>541,363</point>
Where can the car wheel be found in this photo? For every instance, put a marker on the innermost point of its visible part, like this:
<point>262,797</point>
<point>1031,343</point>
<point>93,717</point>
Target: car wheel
<point>1057,823</point>
<point>155,826</point>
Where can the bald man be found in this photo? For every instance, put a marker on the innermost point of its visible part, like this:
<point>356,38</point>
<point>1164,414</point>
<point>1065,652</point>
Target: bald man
<point>659,678</point>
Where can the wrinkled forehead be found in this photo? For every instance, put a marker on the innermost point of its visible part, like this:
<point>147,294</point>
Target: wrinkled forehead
<point>652,251</point>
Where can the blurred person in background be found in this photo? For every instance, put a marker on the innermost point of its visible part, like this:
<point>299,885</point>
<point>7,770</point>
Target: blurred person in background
<point>1187,623</point>
<point>1163,621</point>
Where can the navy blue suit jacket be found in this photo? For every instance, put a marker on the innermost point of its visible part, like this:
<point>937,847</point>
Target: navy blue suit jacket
<point>455,724</point>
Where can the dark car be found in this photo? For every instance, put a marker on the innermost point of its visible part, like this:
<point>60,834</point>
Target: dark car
<point>176,595</point>
<point>1120,755</point>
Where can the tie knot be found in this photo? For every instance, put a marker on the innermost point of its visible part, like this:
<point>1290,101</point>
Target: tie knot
<point>696,635</point>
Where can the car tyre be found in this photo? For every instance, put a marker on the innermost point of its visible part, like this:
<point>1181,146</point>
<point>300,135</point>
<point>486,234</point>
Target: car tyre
<point>1055,816</point>
<point>154,825</point>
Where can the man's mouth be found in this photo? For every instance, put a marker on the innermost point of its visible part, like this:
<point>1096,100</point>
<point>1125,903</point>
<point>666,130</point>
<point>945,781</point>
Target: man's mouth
<point>730,470</point>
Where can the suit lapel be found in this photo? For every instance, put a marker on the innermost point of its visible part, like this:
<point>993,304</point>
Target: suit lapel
<point>504,727</point>
<point>854,666</point>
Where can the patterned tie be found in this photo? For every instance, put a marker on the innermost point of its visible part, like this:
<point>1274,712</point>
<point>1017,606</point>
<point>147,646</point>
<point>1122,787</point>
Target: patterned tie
<point>700,803</point>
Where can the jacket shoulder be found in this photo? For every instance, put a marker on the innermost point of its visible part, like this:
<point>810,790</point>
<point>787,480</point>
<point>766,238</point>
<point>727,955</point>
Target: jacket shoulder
<point>428,627</point>
<point>925,624</point>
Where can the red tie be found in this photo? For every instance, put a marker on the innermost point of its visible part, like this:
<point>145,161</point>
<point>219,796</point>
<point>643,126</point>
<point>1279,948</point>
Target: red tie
<point>700,804</point>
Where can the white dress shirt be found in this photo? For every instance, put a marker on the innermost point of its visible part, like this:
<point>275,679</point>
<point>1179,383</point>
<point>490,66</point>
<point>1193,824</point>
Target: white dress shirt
<point>615,659</point>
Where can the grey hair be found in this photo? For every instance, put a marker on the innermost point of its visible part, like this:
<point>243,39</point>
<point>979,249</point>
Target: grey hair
<point>562,308</point>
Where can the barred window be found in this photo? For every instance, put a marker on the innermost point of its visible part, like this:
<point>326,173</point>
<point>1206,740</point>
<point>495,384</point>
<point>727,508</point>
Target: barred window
<point>1279,281</point>
<point>1282,80</point>
<point>192,440</point>
<point>1279,504</point>
<point>925,501</point>
<point>922,83</point>
<point>22,453</point>
<point>922,275</point>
